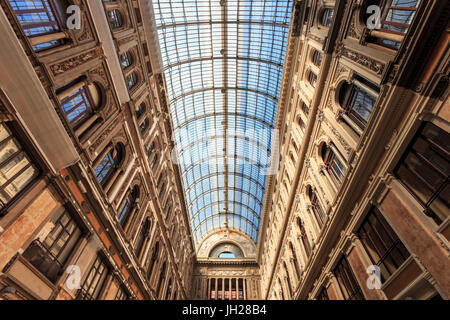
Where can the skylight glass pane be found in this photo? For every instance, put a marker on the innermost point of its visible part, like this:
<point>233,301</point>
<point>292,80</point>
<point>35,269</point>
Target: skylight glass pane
<point>223,74</point>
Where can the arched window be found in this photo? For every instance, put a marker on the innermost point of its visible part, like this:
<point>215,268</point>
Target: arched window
<point>17,169</point>
<point>79,102</point>
<point>291,155</point>
<point>305,109</point>
<point>294,260</point>
<point>358,99</point>
<point>301,124</point>
<point>115,19</point>
<point>162,277</point>
<point>126,59</point>
<point>316,207</point>
<point>326,17</point>
<point>334,166</point>
<point>144,126</point>
<point>127,206</point>
<point>109,164</point>
<point>39,18</point>
<point>153,261</point>
<point>303,236</point>
<point>317,58</point>
<point>145,230</point>
<point>226,255</point>
<point>425,171</point>
<point>312,79</point>
<point>140,110</point>
<point>131,80</point>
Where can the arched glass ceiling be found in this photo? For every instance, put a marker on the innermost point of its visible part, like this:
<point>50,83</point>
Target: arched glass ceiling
<point>223,64</point>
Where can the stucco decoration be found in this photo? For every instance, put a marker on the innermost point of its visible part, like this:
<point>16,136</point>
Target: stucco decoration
<point>231,236</point>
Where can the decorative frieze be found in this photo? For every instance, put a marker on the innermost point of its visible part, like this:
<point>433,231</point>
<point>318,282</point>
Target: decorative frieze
<point>72,63</point>
<point>361,59</point>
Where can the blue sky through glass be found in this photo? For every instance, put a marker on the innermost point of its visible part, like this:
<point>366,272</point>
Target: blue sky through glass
<point>223,69</point>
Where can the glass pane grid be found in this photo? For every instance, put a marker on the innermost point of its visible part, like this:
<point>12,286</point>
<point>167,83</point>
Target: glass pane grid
<point>223,80</point>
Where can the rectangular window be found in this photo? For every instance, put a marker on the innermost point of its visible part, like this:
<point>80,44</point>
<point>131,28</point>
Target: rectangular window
<point>49,255</point>
<point>425,169</point>
<point>94,282</point>
<point>347,282</point>
<point>398,16</point>
<point>37,18</point>
<point>382,244</point>
<point>122,294</point>
<point>16,168</point>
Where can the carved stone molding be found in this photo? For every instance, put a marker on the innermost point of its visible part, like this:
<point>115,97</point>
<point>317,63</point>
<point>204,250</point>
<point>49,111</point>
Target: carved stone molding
<point>72,63</point>
<point>363,60</point>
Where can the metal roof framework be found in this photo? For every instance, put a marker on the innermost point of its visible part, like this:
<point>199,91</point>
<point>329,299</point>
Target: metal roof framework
<point>223,63</point>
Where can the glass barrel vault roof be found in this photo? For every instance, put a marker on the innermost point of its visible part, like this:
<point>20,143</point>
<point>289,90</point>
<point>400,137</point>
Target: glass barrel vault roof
<point>223,63</point>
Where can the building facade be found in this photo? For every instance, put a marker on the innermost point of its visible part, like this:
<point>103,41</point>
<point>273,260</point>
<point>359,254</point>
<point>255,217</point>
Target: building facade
<point>89,190</point>
<point>92,201</point>
<point>365,122</point>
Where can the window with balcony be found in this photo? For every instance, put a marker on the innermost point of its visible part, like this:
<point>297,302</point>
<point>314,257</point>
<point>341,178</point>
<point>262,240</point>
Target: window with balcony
<point>333,165</point>
<point>79,102</point>
<point>132,80</point>
<point>425,168</point>
<point>304,236</point>
<point>347,282</point>
<point>317,58</point>
<point>396,18</point>
<point>357,100</point>
<point>143,234</point>
<point>144,127</point>
<point>326,18</point>
<point>152,262</point>
<point>312,79</point>
<point>42,21</point>
<point>140,110</point>
<point>382,244</point>
<point>115,19</point>
<point>161,280</point>
<point>109,164</point>
<point>94,282</point>
<point>126,59</point>
<point>316,208</point>
<point>127,207</point>
<point>50,255</point>
<point>122,294</point>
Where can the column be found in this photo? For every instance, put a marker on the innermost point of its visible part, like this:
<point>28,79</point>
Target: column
<point>230,289</point>
<point>223,289</point>
<point>208,293</point>
<point>216,288</point>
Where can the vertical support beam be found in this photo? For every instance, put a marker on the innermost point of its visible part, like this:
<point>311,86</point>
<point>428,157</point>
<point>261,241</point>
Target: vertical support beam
<point>223,4</point>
